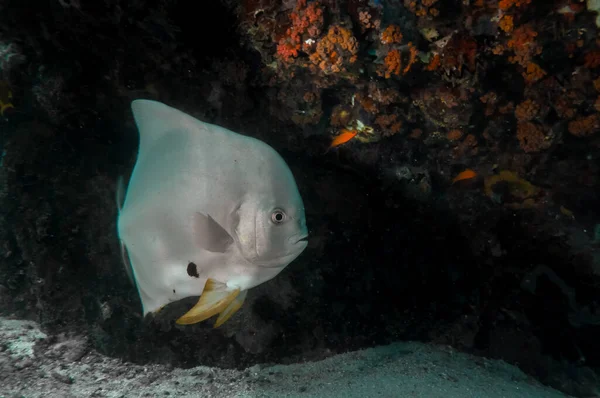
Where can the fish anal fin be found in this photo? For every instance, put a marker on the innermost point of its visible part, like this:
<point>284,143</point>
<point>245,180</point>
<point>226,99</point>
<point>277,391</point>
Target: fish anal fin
<point>210,235</point>
<point>214,300</point>
<point>120,198</point>
<point>231,309</point>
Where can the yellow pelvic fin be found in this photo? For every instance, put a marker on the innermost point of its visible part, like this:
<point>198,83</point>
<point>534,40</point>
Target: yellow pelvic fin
<point>231,309</point>
<point>214,300</point>
<point>4,107</point>
<point>156,311</point>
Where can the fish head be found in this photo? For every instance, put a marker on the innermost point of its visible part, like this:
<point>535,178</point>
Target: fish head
<point>271,228</point>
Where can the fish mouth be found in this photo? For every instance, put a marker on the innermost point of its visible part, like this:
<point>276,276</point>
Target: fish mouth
<point>303,239</point>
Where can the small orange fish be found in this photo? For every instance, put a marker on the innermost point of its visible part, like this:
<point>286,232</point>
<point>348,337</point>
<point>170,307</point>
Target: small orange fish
<point>344,137</point>
<point>464,175</point>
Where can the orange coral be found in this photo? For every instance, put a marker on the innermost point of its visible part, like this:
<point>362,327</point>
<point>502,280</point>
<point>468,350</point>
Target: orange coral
<point>531,137</point>
<point>466,148</point>
<point>533,73</point>
<point>416,134</point>
<point>366,20</point>
<point>367,103</point>
<point>507,108</point>
<point>498,50</point>
<point>340,116</point>
<point>434,63</point>
<point>506,4</point>
<point>391,35</point>
<point>343,37</point>
<point>389,124</point>
<point>422,7</point>
<point>527,110</point>
<point>335,49</point>
<point>306,19</point>
<point>597,84</point>
<point>471,140</point>
<point>384,96</point>
<point>523,35</point>
<point>454,135</point>
<point>523,44</point>
<point>506,23</point>
<point>592,59</point>
<point>584,126</point>
<point>309,96</point>
<point>448,98</point>
<point>287,51</point>
<point>490,99</point>
<point>412,58</point>
<point>460,50</point>
<point>563,108</point>
<point>392,64</point>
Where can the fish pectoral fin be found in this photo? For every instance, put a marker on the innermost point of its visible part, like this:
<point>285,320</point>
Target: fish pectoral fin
<point>210,235</point>
<point>214,299</point>
<point>231,309</point>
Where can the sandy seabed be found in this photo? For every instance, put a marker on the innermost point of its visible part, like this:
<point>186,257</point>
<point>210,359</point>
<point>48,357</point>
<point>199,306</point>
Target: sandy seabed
<point>33,364</point>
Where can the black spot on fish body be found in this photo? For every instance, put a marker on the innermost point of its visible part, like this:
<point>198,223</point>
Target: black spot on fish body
<point>192,270</point>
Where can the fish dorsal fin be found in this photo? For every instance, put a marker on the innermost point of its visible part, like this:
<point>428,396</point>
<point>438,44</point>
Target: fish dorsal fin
<point>155,119</point>
<point>120,192</point>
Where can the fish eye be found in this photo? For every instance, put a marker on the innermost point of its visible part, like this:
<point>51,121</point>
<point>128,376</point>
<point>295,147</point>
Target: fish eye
<point>278,216</point>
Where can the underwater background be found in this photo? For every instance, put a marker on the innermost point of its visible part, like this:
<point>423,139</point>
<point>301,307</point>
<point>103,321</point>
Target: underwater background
<point>447,153</point>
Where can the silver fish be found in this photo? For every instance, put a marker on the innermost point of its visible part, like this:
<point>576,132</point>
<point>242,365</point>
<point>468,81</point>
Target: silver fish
<point>207,212</point>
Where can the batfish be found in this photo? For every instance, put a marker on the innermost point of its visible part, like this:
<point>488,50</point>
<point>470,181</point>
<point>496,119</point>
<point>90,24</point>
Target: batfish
<point>207,212</point>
